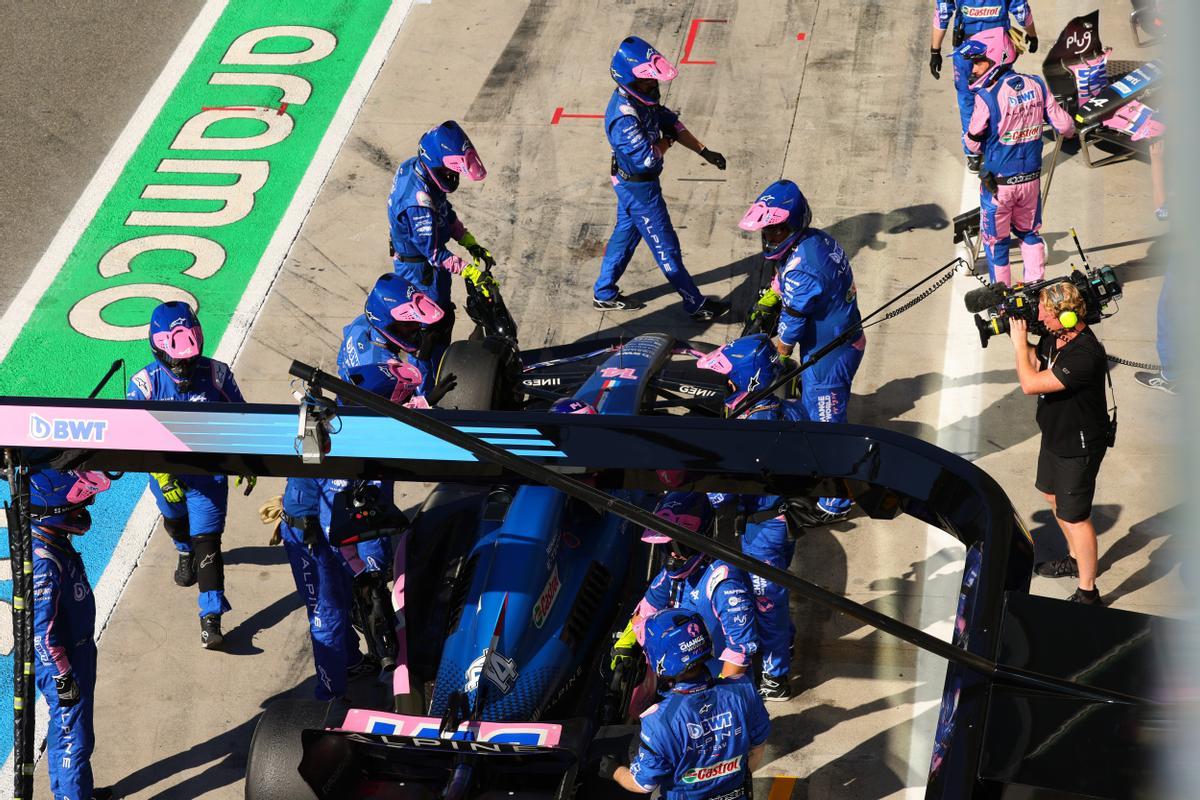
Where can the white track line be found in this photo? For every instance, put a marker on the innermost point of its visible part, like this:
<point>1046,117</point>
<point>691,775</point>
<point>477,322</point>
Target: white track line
<point>958,432</point>
<point>144,517</point>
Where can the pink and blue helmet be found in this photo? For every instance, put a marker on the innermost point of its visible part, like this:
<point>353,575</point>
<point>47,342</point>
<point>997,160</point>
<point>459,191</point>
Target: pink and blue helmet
<point>994,46</point>
<point>782,213</point>
<point>676,640</point>
<point>636,60</point>
<point>393,379</point>
<point>176,338</point>
<point>58,499</point>
<point>446,152</point>
<point>396,308</point>
<point>748,363</point>
<point>690,510</point>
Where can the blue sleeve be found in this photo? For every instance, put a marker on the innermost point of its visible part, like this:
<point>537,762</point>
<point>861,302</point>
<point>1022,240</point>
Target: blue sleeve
<point>943,12</point>
<point>140,387</point>
<point>653,763</point>
<point>734,606</point>
<point>658,594</point>
<point>802,294</point>
<point>422,233</point>
<point>230,388</point>
<point>668,121</point>
<point>47,643</point>
<point>758,721</point>
<point>1020,10</point>
<point>628,138</point>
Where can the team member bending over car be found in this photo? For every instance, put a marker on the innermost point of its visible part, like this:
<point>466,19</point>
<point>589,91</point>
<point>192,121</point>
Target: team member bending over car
<point>422,221</point>
<point>640,131</point>
<point>718,592</point>
<point>707,736</point>
<point>399,323</point>
<point>64,621</point>
<point>193,506</point>
<point>1006,127</point>
<point>820,303</point>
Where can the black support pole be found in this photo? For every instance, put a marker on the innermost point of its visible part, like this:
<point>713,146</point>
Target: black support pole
<point>20,553</point>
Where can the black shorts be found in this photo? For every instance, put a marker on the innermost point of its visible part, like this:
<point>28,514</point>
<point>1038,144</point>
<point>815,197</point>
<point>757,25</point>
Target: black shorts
<point>1072,481</point>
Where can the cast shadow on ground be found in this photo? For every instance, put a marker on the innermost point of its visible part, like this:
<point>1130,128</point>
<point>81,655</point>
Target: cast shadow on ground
<point>1048,541</point>
<point>1001,425</point>
<point>257,555</point>
<point>1141,535</point>
<point>862,230</point>
<point>239,641</point>
<point>223,756</point>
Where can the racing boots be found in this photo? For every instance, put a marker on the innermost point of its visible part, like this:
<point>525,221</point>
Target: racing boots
<point>185,569</point>
<point>774,688</point>
<point>210,632</point>
<point>711,309</point>
<point>618,303</point>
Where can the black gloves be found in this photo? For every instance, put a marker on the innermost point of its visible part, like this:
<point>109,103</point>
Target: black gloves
<point>608,767</point>
<point>713,157</point>
<point>68,689</point>
<point>935,64</point>
<point>1032,42</point>
<point>446,384</point>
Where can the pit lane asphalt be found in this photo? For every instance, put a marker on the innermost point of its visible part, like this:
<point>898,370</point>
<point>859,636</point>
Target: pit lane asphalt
<point>849,114</point>
<point>73,74</point>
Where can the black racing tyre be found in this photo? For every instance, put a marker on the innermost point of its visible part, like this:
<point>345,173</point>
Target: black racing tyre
<point>275,750</point>
<point>478,367</point>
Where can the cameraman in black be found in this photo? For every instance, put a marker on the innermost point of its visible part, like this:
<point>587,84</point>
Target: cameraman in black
<point>1067,370</point>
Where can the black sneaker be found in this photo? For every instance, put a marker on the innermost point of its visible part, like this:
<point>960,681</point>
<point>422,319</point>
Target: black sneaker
<point>1155,380</point>
<point>366,667</point>
<point>185,570</point>
<point>618,303</point>
<point>1058,568</point>
<point>1087,597</point>
<point>774,689</point>
<point>210,632</point>
<point>974,163</point>
<point>711,309</point>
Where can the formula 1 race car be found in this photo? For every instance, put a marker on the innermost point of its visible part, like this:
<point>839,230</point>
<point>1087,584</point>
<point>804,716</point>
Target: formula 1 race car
<point>510,596</point>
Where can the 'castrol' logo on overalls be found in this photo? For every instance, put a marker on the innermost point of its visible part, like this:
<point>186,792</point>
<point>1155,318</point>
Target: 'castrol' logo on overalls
<point>980,12</point>
<point>718,770</point>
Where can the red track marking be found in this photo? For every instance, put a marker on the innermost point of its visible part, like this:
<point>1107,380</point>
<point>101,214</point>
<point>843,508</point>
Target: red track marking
<point>799,37</point>
<point>559,115</point>
<point>691,40</point>
<point>282,108</point>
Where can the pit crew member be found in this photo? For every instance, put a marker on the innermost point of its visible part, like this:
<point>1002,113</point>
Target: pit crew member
<point>422,221</point>
<point>972,17</point>
<point>193,506</point>
<point>64,621</point>
<point>820,303</point>
<point>1006,128</point>
<point>640,131</point>
<point>706,737</point>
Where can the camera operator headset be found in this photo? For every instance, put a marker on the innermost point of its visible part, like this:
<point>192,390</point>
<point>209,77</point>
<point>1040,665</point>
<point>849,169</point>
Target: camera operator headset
<point>1067,369</point>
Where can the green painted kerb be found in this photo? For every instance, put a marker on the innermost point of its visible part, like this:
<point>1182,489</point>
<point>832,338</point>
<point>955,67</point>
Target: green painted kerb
<point>50,357</point>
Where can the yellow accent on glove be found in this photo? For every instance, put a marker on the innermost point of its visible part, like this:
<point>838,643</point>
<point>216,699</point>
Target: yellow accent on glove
<point>250,480</point>
<point>625,647</point>
<point>172,490</point>
<point>480,279</point>
<point>477,251</point>
<point>769,298</point>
